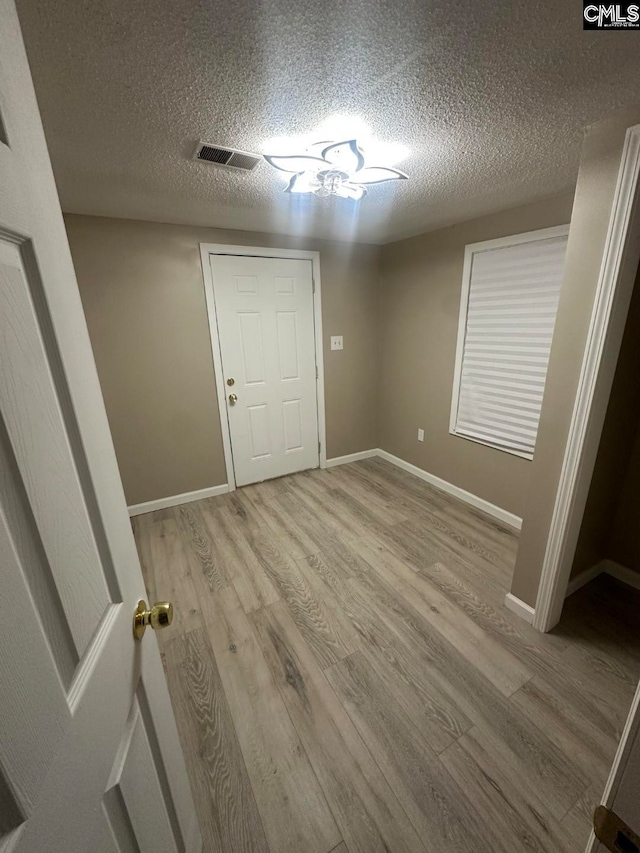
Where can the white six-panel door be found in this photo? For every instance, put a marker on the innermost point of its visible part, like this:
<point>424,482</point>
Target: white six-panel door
<point>89,753</point>
<point>265,329</point>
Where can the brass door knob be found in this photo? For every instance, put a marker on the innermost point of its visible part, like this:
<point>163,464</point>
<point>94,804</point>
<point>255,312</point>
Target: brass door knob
<point>159,616</point>
<point>233,399</point>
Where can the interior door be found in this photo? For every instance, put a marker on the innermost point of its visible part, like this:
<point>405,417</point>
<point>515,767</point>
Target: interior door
<point>264,310</point>
<point>621,829</point>
<point>89,753</point>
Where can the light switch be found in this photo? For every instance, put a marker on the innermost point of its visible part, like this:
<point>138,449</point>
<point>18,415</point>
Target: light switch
<point>336,342</point>
<point>420,435</point>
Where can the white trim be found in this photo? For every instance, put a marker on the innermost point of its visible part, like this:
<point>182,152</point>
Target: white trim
<point>208,249</point>
<point>462,326</point>
<point>583,578</point>
<point>176,500</point>
<point>623,754</point>
<point>525,611</point>
<point>480,503</point>
<point>608,567</point>
<point>217,364</point>
<point>615,284</point>
<point>516,239</point>
<point>621,573</point>
<point>469,251</point>
<point>468,497</point>
<point>473,500</point>
<point>352,457</point>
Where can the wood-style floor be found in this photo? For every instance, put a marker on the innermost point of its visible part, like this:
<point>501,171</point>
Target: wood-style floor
<point>346,678</point>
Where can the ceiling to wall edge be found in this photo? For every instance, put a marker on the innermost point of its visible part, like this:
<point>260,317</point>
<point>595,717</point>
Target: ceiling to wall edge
<point>312,238</point>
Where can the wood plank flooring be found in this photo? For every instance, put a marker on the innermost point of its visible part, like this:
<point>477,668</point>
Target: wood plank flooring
<point>346,678</point>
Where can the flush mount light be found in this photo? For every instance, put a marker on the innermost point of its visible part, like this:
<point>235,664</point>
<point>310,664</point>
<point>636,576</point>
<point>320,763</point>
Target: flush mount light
<point>332,168</point>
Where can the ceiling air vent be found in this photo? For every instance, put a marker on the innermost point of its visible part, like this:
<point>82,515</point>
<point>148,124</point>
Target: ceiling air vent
<point>229,157</point>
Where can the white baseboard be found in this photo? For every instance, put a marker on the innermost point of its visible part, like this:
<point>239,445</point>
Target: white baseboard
<point>176,500</point>
<point>479,503</point>
<point>444,486</point>
<point>352,457</point>
<point>583,578</point>
<point>609,567</point>
<point>524,610</point>
<point>621,573</point>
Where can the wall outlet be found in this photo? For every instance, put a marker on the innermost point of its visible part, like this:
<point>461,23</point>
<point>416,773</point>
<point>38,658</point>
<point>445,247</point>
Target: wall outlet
<point>420,435</point>
<point>336,342</point>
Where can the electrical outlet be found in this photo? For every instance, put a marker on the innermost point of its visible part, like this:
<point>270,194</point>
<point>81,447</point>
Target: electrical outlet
<point>420,435</point>
<point>336,342</point>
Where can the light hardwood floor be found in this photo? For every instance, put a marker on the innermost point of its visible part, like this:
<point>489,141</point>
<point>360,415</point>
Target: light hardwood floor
<point>346,678</point>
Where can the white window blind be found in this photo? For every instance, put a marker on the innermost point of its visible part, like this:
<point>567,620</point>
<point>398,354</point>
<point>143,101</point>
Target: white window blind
<point>510,294</point>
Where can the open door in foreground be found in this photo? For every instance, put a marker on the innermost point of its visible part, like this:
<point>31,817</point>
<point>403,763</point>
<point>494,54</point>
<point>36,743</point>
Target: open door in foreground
<point>89,753</point>
<point>617,820</point>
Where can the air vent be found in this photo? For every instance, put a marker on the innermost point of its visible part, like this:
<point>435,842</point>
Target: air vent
<point>229,157</point>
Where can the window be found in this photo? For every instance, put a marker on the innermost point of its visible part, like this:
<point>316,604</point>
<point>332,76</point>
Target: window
<point>510,293</point>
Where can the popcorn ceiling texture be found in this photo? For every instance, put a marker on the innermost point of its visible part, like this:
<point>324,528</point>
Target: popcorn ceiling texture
<point>491,98</point>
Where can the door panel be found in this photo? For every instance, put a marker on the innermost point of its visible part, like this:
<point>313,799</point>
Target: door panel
<point>86,724</point>
<point>28,392</point>
<point>246,284</point>
<point>252,349</point>
<point>24,762</point>
<point>134,802</point>
<point>292,420</point>
<point>287,335</point>
<point>259,430</point>
<point>266,333</point>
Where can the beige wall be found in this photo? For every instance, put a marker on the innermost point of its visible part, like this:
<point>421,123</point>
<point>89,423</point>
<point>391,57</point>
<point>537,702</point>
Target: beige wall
<point>595,189</point>
<point>609,528</point>
<point>421,281</point>
<point>143,294</point>
<point>397,307</point>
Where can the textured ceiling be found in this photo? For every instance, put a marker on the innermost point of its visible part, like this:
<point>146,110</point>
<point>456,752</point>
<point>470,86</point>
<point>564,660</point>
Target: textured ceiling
<point>491,99</point>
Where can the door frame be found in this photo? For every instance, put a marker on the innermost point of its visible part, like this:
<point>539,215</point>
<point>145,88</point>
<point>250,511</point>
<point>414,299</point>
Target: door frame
<point>206,251</point>
<point>613,295</point>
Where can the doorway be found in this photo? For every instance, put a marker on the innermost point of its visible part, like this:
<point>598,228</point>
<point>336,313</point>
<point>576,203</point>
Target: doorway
<point>265,322</point>
<point>608,540</point>
<point>613,295</point>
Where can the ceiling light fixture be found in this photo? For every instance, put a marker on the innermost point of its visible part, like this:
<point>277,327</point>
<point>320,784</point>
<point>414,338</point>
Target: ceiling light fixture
<point>332,168</point>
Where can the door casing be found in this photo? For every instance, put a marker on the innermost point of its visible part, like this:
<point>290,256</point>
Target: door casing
<point>615,285</point>
<point>208,249</point>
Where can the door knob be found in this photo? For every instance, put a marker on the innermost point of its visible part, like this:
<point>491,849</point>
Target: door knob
<point>159,616</point>
<point>233,399</point>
